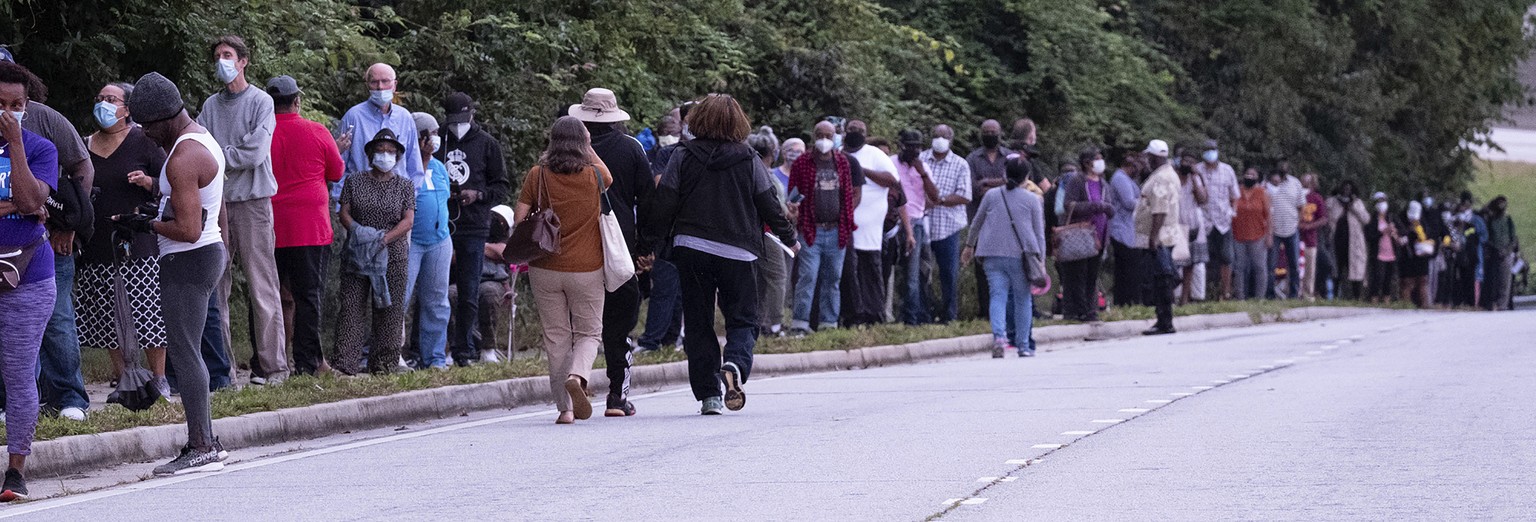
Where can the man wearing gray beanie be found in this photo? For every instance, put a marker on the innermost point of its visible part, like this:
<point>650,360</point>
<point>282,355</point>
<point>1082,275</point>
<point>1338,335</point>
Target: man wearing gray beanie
<point>191,254</point>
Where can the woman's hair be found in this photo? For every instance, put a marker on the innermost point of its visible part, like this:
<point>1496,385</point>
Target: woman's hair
<point>1018,169</point>
<point>764,142</point>
<point>1085,157</point>
<point>127,89</point>
<point>568,146</point>
<point>719,117</point>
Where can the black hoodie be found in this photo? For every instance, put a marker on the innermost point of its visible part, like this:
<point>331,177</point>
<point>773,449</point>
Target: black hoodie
<point>717,191</point>
<point>631,171</point>
<point>477,159</point>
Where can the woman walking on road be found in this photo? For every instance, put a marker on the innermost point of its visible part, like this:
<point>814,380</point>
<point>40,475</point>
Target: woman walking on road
<point>709,210</point>
<point>568,286</point>
<point>1009,225</point>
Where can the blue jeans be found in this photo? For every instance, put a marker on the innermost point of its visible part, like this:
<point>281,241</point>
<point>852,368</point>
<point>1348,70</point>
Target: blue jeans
<point>666,308</point>
<point>1005,276</point>
<point>469,257</point>
<point>58,368</point>
<point>819,262</point>
<point>946,253</point>
<point>915,309</point>
<point>428,273</point>
<point>1292,246</point>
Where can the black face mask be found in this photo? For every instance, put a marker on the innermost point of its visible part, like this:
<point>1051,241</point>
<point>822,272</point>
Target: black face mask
<point>1250,182</point>
<point>908,154</point>
<point>853,141</point>
<point>990,141</point>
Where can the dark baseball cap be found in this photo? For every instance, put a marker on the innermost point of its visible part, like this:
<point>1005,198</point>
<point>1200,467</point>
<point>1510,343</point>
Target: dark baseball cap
<point>458,107</point>
<point>283,86</point>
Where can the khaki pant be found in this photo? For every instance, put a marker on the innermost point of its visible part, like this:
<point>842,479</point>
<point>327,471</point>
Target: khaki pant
<point>571,310</point>
<point>249,236</point>
<point>1309,276</point>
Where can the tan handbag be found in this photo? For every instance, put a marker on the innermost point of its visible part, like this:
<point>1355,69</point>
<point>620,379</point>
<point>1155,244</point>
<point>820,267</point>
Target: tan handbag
<point>538,235</point>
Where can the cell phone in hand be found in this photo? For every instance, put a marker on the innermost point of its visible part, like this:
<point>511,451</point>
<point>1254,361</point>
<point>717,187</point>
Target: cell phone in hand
<point>795,196</point>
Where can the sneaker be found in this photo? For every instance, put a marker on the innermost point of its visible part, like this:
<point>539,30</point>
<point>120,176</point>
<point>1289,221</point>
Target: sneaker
<point>1026,353</point>
<point>257,380</point>
<point>619,406</point>
<point>1159,330</point>
<point>798,333</point>
<point>735,399</point>
<point>191,461</point>
<point>72,413</point>
<point>998,347</point>
<point>490,357</point>
<point>580,405</point>
<point>442,367</point>
<point>165,387</point>
<point>713,406</point>
<point>218,448</point>
<point>15,486</point>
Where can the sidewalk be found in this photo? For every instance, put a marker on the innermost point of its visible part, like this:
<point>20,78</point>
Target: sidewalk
<point>86,452</point>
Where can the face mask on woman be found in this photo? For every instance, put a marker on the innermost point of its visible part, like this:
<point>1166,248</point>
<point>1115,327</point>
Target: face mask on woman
<point>437,142</point>
<point>1381,207</point>
<point>384,161</point>
<point>1098,166</point>
<point>1250,182</point>
<point>667,141</point>
<point>106,114</point>
<point>790,155</point>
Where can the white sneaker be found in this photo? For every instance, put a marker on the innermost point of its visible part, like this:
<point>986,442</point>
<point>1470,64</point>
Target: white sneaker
<point>72,413</point>
<point>489,356</point>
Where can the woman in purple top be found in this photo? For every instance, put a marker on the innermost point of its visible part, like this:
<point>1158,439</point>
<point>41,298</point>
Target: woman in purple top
<point>29,168</point>
<point>1085,202</point>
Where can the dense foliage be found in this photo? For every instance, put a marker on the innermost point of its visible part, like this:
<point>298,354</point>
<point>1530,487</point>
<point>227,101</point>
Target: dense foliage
<point>1388,91</point>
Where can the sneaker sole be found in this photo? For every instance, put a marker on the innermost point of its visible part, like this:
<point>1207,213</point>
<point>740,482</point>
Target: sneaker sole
<point>581,407</point>
<point>735,399</point>
<point>223,456</point>
<point>205,468</point>
<point>12,496</point>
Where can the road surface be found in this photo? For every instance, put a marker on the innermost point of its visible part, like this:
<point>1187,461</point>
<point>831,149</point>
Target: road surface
<point>1390,416</point>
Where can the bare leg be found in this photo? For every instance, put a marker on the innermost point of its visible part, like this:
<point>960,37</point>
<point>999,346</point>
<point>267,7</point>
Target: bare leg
<point>117,361</point>
<point>1226,283</point>
<point>156,358</point>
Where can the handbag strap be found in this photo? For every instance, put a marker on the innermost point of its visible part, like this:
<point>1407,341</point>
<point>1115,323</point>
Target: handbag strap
<point>1016,236</point>
<point>543,199</point>
<point>606,205</point>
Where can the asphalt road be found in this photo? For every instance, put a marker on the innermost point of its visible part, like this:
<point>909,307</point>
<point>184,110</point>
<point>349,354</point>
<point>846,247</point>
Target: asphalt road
<point>1393,416</point>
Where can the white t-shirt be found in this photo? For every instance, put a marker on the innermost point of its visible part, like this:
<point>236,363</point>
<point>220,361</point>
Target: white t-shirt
<point>869,217</point>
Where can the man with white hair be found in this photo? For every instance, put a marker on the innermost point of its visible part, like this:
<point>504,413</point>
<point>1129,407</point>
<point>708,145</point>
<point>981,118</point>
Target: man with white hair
<point>366,119</point>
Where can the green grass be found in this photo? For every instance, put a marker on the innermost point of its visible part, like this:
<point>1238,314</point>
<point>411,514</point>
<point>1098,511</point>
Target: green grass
<point>1516,181</point>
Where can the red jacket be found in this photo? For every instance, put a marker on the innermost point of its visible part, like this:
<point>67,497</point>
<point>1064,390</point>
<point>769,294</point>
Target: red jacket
<point>304,158</point>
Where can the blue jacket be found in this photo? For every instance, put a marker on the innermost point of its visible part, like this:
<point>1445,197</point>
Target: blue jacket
<point>365,254</point>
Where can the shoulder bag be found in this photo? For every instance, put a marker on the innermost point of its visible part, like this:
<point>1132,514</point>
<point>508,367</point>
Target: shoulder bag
<point>13,264</point>
<point>1034,262</point>
<point>1076,241</point>
<point>538,236</point>
<point>618,266</point>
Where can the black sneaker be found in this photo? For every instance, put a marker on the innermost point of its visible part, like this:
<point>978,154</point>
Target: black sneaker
<point>619,407</point>
<point>218,447</point>
<point>1159,330</point>
<point>735,399</point>
<point>191,461</point>
<point>15,486</point>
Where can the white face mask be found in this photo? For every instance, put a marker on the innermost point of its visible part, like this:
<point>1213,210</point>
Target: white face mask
<point>225,71</point>
<point>1429,202</point>
<point>382,98</point>
<point>941,145</point>
<point>1381,208</point>
<point>384,161</point>
<point>437,142</point>
<point>19,115</point>
<point>1098,166</point>
<point>458,129</point>
<point>668,141</point>
<point>1414,214</point>
<point>1210,156</point>
<point>824,145</point>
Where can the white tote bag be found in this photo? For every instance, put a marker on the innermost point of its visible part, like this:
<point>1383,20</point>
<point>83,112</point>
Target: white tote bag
<point>618,267</point>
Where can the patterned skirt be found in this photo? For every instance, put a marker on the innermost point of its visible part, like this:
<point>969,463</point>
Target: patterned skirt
<point>94,311</point>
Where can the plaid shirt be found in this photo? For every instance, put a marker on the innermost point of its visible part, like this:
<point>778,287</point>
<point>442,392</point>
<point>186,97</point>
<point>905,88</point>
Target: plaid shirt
<point>952,175</point>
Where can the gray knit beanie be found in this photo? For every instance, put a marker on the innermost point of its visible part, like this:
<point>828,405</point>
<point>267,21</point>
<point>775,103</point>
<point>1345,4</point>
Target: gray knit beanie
<point>155,98</point>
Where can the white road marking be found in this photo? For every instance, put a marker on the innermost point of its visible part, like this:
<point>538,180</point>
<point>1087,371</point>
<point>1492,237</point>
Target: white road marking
<point>1079,432</point>
<point>1315,352</point>
<point>1008,479</point>
<point>986,479</point>
<point>950,502</point>
<point>1203,388</point>
<point>1181,394</point>
<point>1017,462</point>
<point>1267,367</point>
<point>1357,337</point>
<point>972,501</point>
<point>1221,382</point>
<point>1048,446</point>
<point>1108,421</point>
<point>1239,376</point>
<point>1134,410</point>
<point>1159,401</point>
<point>1342,342</point>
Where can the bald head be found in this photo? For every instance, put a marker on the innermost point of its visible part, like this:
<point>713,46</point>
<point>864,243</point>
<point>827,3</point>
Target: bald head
<point>824,130</point>
<point>991,126</point>
<point>858,126</point>
<point>380,76</point>
<point>943,131</point>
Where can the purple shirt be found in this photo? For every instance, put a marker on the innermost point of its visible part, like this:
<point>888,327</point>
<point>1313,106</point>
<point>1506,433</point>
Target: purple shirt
<point>1096,194</point>
<point>17,230</point>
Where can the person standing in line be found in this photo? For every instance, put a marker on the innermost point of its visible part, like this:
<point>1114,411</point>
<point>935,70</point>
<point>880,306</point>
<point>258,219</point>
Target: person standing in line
<point>477,174</point>
<point>241,117</point>
<point>715,237</point>
<point>772,267</point>
<point>1085,201</point>
<point>1222,194</point>
<point>1499,254</point>
<point>1347,213</point>
<point>1469,260</point>
<point>1157,227</point>
<point>863,282</point>
<point>1314,216</point>
<point>29,170</point>
<point>364,120</point>
<point>568,286</point>
<point>1124,192</point>
<point>1287,198</point>
<point>1251,234</point>
<point>122,157</point>
<point>921,192</point>
<point>1010,224</point>
<point>947,217</point>
<point>1193,195</point>
<point>431,252</point>
<point>1382,240</point>
<point>1416,253</point>
<point>59,381</point>
<point>192,256</point>
<point>378,210</point>
<point>790,151</point>
<point>304,159</point>
<point>987,172</point>
<point>632,182</point>
<point>830,183</point>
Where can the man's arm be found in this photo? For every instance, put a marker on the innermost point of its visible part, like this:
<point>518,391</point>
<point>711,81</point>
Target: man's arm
<point>929,189</point>
<point>882,177</point>
<point>496,183</point>
<point>1157,229</point>
<point>255,146</point>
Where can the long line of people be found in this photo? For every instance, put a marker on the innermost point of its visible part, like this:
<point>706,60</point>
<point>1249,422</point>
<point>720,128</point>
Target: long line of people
<point>160,207</point>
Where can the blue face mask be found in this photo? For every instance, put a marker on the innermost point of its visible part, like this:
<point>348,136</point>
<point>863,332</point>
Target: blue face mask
<point>225,70</point>
<point>837,141</point>
<point>382,98</point>
<point>106,114</point>
<point>1210,156</point>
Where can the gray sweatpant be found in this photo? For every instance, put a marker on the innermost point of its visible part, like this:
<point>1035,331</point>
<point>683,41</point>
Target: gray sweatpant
<point>187,280</point>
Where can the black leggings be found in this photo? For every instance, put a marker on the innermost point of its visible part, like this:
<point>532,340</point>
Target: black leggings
<point>187,280</point>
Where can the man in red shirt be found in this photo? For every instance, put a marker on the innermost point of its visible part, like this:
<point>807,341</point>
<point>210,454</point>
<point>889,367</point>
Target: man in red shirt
<point>1314,214</point>
<point>304,159</point>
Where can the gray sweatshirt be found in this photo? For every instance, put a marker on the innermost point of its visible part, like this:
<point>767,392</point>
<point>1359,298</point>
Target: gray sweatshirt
<point>996,235</point>
<point>243,124</point>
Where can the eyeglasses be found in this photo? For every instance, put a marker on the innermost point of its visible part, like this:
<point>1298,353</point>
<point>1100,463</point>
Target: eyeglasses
<point>110,99</point>
<point>381,82</point>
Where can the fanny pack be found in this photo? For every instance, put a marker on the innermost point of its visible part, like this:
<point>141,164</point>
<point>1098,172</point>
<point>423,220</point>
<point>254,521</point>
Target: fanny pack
<point>13,264</point>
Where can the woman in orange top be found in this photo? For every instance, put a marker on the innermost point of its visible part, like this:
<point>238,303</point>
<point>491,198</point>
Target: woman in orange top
<point>1250,230</point>
<point>568,286</point>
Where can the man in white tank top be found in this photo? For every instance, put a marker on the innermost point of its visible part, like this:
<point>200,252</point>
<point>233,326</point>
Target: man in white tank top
<point>191,255</point>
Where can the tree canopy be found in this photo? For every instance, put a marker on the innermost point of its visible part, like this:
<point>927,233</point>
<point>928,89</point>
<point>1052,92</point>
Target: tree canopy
<point>1389,92</point>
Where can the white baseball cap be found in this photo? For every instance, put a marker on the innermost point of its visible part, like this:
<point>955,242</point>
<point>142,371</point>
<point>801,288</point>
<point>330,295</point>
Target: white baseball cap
<point>1157,148</point>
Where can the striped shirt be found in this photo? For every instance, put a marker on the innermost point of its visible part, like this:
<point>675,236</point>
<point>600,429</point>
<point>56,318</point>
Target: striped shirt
<point>1285,202</point>
<point>952,176</point>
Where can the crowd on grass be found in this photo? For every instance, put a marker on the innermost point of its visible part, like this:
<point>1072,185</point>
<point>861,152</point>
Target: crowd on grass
<point>127,239</point>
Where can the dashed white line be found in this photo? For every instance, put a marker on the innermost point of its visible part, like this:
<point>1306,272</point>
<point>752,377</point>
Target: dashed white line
<point>1134,410</point>
<point>1108,421</point>
<point>1017,462</point>
<point>1315,352</point>
<point>1079,432</point>
<point>1203,388</point>
<point>1159,401</point>
<point>1181,394</point>
<point>972,501</point>
<point>1218,381</point>
<point>1239,376</point>
<point>1048,446</point>
<point>1285,361</point>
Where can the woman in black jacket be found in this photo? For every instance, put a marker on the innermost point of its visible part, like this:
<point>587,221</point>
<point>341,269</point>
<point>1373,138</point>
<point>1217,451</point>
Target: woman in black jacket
<point>708,211</point>
<point>1084,202</point>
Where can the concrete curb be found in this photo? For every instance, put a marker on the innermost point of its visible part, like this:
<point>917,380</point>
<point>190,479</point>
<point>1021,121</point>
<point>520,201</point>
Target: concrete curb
<point>80,453</point>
